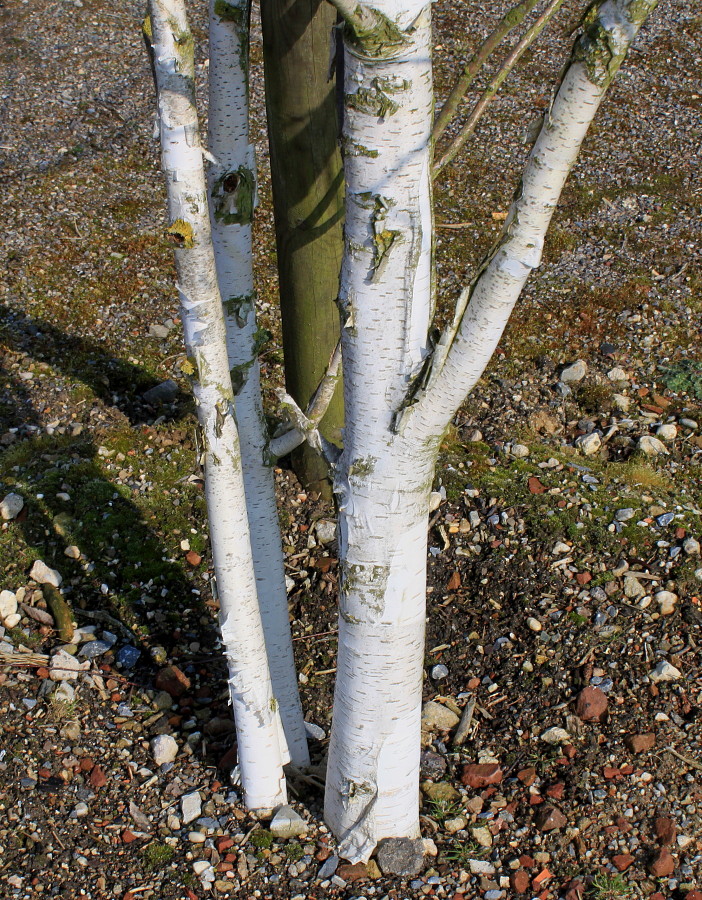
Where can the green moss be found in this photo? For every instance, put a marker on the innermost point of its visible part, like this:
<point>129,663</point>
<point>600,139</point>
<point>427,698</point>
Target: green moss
<point>230,12</point>
<point>156,856</point>
<point>261,839</point>
<point>380,39</point>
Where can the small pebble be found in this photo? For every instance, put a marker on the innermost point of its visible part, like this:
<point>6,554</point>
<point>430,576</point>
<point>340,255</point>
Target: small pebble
<point>534,624</point>
<point>42,574</point>
<point>439,672</point>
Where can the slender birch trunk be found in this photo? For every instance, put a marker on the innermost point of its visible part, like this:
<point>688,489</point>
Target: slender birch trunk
<point>394,419</point>
<point>261,743</point>
<point>232,186</point>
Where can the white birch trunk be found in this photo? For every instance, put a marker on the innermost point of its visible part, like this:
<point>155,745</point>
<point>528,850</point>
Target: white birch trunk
<point>382,487</point>
<point>232,184</point>
<point>392,432</point>
<point>261,743</point>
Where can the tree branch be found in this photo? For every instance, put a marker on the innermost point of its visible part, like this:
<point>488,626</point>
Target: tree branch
<point>305,423</point>
<point>480,107</point>
<point>485,305</point>
<point>514,17</point>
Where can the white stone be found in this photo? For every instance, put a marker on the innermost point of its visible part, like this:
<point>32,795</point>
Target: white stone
<point>64,692</point>
<point>633,587</point>
<point>8,604</point>
<point>435,499</point>
<point>13,620</point>
<point>588,444</point>
<point>326,531</point>
<point>197,837</point>
<point>72,552</point>
<point>555,736</point>
<point>190,806</point>
<point>560,548</point>
<point>621,402</point>
<point>439,672</point>
<point>437,717</point>
<point>691,546</point>
<point>481,867</point>
<point>64,667</point>
<point>665,671</point>
<point>651,446</point>
<point>666,600</point>
<point>286,823</point>
<point>314,731</point>
<point>623,515</point>
<point>667,432</point>
<point>164,749</point>
<point>482,836</point>
<point>11,506</point>
<point>42,574</point>
<point>533,624</point>
<point>200,866</point>
<point>617,374</point>
<point>574,372</point>
<point>519,451</point>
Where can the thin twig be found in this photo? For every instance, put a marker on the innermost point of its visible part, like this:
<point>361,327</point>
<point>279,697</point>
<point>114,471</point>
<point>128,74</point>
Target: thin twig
<point>685,759</point>
<point>514,17</point>
<point>488,95</point>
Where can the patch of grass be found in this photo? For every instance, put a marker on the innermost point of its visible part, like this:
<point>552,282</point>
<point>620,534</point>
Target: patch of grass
<point>60,710</point>
<point>609,887</point>
<point>595,398</point>
<point>156,856</point>
<point>457,852</point>
<point>440,810</point>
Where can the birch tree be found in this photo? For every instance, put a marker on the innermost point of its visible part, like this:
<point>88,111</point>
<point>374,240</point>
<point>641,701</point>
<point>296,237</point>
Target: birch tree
<point>400,390</point>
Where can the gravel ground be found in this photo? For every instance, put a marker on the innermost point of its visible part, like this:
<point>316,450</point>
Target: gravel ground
<point>562,725</point>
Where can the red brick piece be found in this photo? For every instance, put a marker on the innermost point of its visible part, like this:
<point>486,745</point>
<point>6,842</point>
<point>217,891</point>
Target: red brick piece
<point>662,864</point>
<point>665,830</point>
<point>351,873</point>
<point>519,881</point>
<point>172,680</point>
<point>481,775</point>
<point>640,743</point>
<point>622,862</point>
<point>97,778</point>
<point>591,705</point>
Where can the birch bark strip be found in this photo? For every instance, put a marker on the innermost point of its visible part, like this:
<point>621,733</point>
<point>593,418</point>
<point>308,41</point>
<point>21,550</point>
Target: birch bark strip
<point>232,187</point>
<point>261,743</point>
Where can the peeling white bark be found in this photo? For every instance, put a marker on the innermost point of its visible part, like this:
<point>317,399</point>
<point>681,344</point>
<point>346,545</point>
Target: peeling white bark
<point>261,743</point>
<point>232,180</point>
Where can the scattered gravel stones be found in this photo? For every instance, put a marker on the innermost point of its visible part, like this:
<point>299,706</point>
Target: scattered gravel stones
<point>401,856</point>
<point>286,823</point>
<point>42,574</point>
<point>164,749</point>
<point>172,680</point>
<point>11,506</point>
<point>651,446</point>
<point>190,807</point>
<point>574,372</point>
